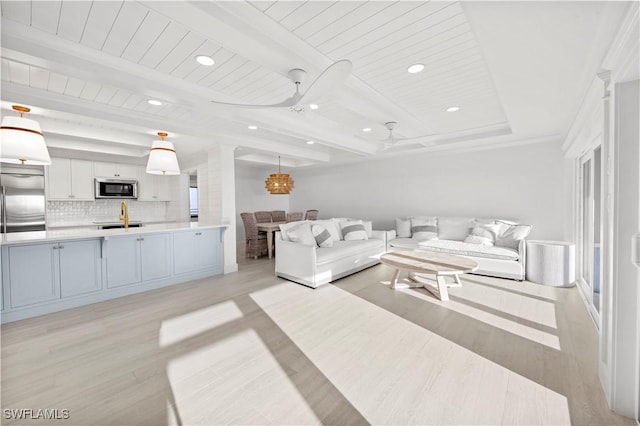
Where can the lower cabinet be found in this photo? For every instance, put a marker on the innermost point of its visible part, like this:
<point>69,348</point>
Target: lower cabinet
<point>197,250</point>
<point>132,259</point>
<point>43,272</point>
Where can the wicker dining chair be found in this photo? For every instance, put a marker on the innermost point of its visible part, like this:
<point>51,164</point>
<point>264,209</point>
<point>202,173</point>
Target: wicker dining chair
<point>295,216</point>
<point>311,215</point>
<point>278,216</point>
<point>263,216</point>
<point>256,243</point>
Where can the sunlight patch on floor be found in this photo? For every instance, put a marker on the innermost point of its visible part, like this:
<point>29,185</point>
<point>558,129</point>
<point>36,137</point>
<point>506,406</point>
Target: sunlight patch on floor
<point>196,322</point>
<point>441,382</point>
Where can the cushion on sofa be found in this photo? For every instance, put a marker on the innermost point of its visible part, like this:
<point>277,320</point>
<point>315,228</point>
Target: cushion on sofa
<point>424,228</point>
<point>510,235</point>
<point>454,228</point>
<point>403,227</point>
<point>456,247</point>
<point>285,227</point>
<point>483,234</point>
<point>344,249</point>
<point>330,225</point>
<point>353,230</point>
<point>302,234</point>
<point>322,236</point>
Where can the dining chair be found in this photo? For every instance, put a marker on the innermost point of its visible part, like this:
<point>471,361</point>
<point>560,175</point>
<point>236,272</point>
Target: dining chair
<point>311,215</point>
<point>278,216</point>
<point>263,216</point>
<point>256,243</point>
<point>295,216</point>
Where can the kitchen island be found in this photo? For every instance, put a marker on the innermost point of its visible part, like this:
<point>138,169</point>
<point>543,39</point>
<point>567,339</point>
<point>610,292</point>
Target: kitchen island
<point>48,271</point>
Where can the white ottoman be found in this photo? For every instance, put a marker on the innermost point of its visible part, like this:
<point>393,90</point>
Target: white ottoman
<point>551,263</point>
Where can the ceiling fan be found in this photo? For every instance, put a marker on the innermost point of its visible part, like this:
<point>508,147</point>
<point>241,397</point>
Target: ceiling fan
<point>331,77</point>
<point>392,141</point>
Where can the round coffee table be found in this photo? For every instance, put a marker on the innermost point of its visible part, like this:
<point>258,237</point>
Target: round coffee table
<point>424,262</point>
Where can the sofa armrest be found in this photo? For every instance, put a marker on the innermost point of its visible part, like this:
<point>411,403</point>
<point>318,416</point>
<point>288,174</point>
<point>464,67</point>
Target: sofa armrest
<point>391,235</point>
<point>380,235</point>
<point>295,260</point>
<point>522,253</point>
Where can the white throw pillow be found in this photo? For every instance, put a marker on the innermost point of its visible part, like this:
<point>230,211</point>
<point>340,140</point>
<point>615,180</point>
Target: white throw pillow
<point>510,235</point>
<point>403,227</point>
<point>454,228</point>
<point>424,228</point>
<point>353,230</point>
<point>302,234</point>
<point>285,227</point>
<point>483,234</point>
<point>337,221</point>
<point>322,235</point>
<point>330,225</point>
<point>368,226</point>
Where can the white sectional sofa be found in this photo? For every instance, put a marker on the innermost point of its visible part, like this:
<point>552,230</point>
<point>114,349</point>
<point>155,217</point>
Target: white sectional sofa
<point>302,260</point>
<point>499,246</point>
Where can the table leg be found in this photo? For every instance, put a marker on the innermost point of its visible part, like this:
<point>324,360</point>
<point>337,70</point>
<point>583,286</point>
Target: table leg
<point>442,288</point>
<point>270,243</point>
<point>394,278</point>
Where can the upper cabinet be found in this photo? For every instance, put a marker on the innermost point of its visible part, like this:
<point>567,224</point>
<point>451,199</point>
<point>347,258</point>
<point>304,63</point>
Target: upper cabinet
<point>153,187</point>
<point>70,179</point>
<point>115,170</point>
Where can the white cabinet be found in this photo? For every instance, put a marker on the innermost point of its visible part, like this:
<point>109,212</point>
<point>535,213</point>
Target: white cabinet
<point>132,259</point>
<point>70,179</point>
<point>111,170</point>
<point>197,250</point>
<point>43,272</point>
<point>153,187</point>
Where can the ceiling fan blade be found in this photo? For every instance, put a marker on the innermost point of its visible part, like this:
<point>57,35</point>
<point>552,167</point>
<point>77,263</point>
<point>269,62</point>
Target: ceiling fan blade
<point>331,77</point>
<point>289,102</point>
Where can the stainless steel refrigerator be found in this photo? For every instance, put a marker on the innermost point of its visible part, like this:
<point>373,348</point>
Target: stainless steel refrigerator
<point>22,200</point>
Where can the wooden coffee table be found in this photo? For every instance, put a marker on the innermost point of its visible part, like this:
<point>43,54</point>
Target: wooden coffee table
<point>424,262</point>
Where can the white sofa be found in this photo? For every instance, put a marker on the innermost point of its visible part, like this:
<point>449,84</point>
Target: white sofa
<point>312,266</point>
<point>505,257</point>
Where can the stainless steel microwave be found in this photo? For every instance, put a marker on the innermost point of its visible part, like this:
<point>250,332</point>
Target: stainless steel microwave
<point>116,188</point>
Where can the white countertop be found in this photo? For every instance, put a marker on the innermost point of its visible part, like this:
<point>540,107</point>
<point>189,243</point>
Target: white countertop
<point>80,233</point>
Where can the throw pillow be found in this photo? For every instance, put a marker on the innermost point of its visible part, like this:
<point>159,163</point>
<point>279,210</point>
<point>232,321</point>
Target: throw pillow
<point>353,230</point>
<point>284,229</point>
<point>302,234</point>
<point>454,228</point>
<point>483,234</point>
<point>330,226</point>
<point>424,228</point>
<point>322,235</point>
<point>368,226</point>
<point>510,235</point>
<point>403,227</point>
<point>337,221</point>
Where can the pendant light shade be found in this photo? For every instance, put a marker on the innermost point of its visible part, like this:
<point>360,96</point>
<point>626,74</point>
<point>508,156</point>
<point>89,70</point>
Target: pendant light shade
<point>21,140</point>
<point>162,158</point>
<point>279,183</point>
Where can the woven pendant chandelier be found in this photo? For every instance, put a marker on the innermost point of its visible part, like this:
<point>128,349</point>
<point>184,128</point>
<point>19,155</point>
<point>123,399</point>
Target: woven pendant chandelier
<point>279,183</point>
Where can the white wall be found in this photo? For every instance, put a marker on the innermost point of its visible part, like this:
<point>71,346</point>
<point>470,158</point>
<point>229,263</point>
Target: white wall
<point>251,194</point>
<point>523,182</point>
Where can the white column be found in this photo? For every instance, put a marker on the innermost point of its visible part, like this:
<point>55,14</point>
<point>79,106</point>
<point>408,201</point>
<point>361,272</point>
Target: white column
<point>217,197</point>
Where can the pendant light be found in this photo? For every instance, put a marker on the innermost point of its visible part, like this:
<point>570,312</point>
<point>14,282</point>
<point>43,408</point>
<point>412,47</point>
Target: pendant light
<point>279,183</point>
<point>162,158</point>
<point>21,140</point>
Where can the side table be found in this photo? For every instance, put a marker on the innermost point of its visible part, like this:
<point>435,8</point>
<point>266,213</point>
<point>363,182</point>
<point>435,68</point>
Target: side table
<point>551,263</point>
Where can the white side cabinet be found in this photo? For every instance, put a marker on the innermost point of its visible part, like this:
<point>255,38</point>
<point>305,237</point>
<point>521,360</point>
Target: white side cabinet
<point>42,272</point>
<point>551,263</point>
<point>70,179</point>
<point>197,250</point>
<point>115,170</point>
<point>137,258</point>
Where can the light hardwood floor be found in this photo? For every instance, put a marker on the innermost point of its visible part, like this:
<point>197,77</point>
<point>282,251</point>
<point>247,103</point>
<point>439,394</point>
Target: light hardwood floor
<point>248,348</point>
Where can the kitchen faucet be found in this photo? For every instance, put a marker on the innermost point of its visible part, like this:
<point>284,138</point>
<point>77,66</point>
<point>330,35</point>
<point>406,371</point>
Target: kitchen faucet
<point>124,213</point>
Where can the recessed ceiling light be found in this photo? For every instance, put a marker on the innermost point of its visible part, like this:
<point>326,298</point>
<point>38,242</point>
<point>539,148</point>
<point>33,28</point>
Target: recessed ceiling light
<point>154,102</point>
<point>310,142</point>
<point>313,106</point>
<point>415,68</point>
<point>205,60</point>
<point>366,129</point>
<point>252,127</point>
<point>453,109</point>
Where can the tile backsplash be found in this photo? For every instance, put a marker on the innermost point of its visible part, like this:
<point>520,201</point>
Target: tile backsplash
<point>60,213</point>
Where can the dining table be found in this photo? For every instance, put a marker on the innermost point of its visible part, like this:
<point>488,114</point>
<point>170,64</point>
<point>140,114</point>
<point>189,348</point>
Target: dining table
<point>270,228</point>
